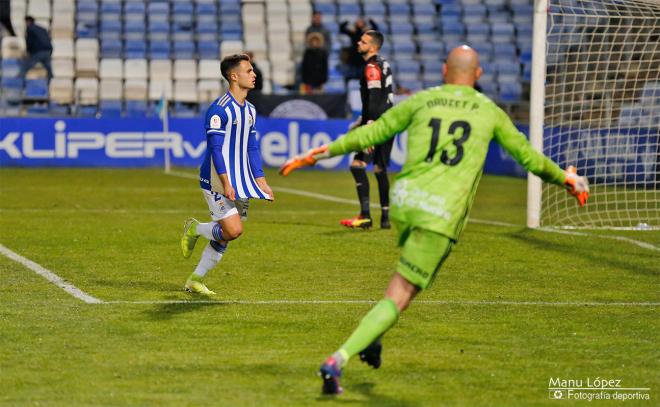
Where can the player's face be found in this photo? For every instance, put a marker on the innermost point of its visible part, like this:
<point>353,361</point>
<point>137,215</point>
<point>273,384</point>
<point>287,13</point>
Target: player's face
<point>364,45</point>
<point>245,76</point>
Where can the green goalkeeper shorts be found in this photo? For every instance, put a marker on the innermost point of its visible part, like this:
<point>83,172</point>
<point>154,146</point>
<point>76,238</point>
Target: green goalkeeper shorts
<point>422,255</point>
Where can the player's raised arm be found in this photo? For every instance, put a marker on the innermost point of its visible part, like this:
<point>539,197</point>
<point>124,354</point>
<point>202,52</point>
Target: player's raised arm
<point>390,123</point>
<point>516,144</point>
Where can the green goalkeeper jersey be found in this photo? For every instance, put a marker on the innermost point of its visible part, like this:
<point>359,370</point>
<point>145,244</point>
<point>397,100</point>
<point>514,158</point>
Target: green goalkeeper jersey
<point>449,130</point>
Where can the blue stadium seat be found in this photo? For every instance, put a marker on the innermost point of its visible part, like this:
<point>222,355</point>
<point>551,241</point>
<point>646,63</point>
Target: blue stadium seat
<point>159,50</point>
<point>86,30</point>
<point>433,65</point>
<point>110,108</point>
<point>397,9</point>
<point>110,8</point>
<point>474,14</point>
<point>36,88</point>
<point>485,50</point>
<point>37,109</point>
<point>401,28</point>
<point>502,32</point>
<point>432,48</point>
<point>134,7</point>
<point>510,92</point>
<point>452,30</point>
<point>110,29</point>
<point>477,33</point>
<point>10,67</point>
<point>374,9</point>
<point>506,51</point>
<point>350,9</point>
<point>208,9</point>
<point>136,108</point>
<point>135,49</point>
<point>159,30</point>
<point>111,49</point>
<point>184,50</point>
<point>86,111</point>
<point>134,31</point>
<point>499,17</point>
<point>11,85</point>
<point>527,71</point>
<point>326,8</point>
<point>57,109</point>
<point>452,10</point>
<point>427,28</point>
<point>423,9</point>
<point>526,54</point>
<point>488,88</point>
<point>208,49</point>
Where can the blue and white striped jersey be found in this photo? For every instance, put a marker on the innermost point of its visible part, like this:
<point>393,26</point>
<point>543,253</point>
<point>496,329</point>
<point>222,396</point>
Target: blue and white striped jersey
<point>232,148</point>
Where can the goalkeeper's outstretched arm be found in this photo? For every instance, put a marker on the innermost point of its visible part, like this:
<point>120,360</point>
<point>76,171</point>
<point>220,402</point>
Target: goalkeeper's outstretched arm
<point>394,121</point>
<point>516,144</point>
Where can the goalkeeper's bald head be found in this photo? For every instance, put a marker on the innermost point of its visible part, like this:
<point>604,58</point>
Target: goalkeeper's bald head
<point>462,66</point>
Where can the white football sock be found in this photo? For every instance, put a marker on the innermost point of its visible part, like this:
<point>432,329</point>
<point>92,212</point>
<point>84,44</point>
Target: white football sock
<point>210,257</point>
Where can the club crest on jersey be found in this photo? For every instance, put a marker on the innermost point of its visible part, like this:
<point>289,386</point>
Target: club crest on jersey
<point>215,121</point>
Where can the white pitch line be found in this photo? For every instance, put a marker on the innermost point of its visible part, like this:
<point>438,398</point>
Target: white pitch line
<point>425,302</point>
<point>50,276</point>
<point>331,198</point>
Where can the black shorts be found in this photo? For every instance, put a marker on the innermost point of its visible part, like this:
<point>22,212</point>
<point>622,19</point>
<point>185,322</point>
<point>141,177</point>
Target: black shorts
<point>380,156</point>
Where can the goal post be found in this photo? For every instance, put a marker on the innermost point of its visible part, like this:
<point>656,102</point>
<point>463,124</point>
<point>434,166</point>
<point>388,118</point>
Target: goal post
<point>595,104</point>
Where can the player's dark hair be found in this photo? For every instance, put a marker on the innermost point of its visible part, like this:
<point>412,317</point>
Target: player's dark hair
<point>230,62</point>
<point>29,19</point>
<point>376,37</point>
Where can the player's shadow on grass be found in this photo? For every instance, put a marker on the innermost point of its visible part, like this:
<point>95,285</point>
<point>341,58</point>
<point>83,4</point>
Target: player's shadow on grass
<point>163,312</point>
<point>146,285</point>
<point>603,257</point>
<point>373,399</point>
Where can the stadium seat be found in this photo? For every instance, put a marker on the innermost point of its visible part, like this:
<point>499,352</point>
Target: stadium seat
<point>135,69</point>
<point>185,70</point>
<point>208,90</point>
<point>111,69</point>
<point>61,91</point>
<point>86,91</point>
<point>36,89</point>
<point>510,92</point>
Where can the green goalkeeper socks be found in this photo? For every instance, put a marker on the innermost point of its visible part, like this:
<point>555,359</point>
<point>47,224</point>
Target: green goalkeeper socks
<point>377,321</point>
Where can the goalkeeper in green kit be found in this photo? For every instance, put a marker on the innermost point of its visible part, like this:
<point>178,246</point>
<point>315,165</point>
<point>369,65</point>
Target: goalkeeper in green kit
<point>449,130</point>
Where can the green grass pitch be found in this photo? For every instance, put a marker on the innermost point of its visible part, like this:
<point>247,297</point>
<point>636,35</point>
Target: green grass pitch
<point>506,313</point>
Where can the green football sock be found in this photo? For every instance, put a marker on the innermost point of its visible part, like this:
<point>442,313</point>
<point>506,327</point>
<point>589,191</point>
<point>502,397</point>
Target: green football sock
<point>377,321</point>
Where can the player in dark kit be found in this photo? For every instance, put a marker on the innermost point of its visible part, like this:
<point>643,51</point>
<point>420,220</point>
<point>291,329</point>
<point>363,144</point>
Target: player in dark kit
<point>377,96</point>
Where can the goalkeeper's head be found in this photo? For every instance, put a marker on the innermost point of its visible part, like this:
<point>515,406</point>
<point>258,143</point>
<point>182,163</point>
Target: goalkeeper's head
<point>462,66</point>
<point>238,71</point>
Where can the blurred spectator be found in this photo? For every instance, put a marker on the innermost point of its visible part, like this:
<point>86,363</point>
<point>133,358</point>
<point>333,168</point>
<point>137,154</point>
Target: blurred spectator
<point>351,57</point>
<point>317,27</point>
<point>39,48</point>
<point>314,65</point>
<point>259,84</point>
<point>5,16</point>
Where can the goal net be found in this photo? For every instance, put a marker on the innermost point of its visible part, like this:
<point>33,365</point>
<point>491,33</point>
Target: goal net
<point>601,111</point>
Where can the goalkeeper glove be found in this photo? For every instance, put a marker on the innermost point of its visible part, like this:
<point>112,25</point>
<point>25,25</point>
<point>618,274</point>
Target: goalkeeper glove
<point>305,160</point>
<point>576,185</point>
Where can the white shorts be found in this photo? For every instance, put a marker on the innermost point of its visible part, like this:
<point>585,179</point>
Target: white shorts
<point>221,207</point>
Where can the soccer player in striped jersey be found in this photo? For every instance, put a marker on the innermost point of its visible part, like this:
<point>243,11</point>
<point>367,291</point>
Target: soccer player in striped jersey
<point>231,173</point>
